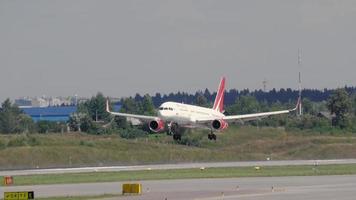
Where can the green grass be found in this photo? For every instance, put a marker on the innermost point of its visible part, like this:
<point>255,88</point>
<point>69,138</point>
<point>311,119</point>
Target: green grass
<point>236,144</point>
<point>229,172</point>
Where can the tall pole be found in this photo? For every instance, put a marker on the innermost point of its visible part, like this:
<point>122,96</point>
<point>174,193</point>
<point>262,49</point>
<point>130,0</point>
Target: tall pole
<point>300,110</point>
<point>264,85</point>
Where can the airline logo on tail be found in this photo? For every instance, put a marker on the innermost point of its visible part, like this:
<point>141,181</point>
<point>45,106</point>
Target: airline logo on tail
<point>219,99</point>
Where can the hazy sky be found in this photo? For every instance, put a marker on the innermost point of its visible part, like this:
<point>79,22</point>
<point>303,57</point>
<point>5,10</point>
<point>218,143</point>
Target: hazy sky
<point>68,47</point>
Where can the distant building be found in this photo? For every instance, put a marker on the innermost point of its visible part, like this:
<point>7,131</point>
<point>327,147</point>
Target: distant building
<point>48,101</point>
<point>54,113</point>
<point>39,102</point>
<point>23,102</point>
<point>57,113</point>
<point>56,109</point>
<point>54,102</point>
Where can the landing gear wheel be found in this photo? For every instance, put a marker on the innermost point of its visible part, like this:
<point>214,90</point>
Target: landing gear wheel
<point>174,128</point>
<point>212,136</point>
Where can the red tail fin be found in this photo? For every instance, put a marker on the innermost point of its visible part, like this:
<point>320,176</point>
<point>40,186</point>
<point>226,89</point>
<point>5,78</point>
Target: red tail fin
<point>219,99</point>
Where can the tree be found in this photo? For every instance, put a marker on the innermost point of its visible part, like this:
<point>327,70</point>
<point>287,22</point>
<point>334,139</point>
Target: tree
<point>80,122</point>
<point>142,106</point>
<point>12,120</point>
<point>244,105</point>
<point>207,95</point>
<point>129,105</point>
<point>97,108</point>
<point>8,121</point>
<point>86,123</point>
<point>25,124</point>
<point>157,99</point>
<point>121,122</point>
<point>88,112</point>
<point>43,126</point>
<point>339,103</point>
<point>200,99</point>
<point>147,105</point>
<point>308,106</point>
<point>353,98</point>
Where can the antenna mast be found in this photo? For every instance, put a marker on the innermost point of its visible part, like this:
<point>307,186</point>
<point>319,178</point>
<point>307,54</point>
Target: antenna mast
<point>264,85</point>
<point>300,110</point>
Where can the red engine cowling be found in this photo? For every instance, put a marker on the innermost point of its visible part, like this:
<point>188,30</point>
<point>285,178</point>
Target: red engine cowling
<point>219,124</point>
<point>156,125</point>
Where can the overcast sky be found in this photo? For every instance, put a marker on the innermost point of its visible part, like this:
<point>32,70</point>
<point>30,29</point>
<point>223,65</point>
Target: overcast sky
<point>67,47</point>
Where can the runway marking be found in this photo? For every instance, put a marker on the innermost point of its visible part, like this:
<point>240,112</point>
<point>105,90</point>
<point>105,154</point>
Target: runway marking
<point>177,166</point>
<point>237,195</point>
<point>282,190</point>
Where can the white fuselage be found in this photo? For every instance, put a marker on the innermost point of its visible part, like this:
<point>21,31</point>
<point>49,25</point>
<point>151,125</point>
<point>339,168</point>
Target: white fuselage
<point>186,114</point>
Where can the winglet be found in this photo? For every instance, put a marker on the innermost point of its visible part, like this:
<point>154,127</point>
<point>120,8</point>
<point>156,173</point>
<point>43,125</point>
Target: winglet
<point>298,104</point>
<point>107,106</point>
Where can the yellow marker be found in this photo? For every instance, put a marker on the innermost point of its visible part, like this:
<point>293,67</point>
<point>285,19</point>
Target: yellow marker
<point>131,188</point>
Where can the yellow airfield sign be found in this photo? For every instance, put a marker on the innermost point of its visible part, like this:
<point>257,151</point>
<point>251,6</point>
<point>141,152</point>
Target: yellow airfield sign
<point>19,195</point>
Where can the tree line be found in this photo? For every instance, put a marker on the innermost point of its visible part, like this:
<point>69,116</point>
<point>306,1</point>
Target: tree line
<point>282,95</point>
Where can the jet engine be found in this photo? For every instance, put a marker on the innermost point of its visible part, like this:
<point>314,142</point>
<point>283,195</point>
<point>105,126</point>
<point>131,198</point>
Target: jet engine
<point>219,124</point>
<point>156,125</point>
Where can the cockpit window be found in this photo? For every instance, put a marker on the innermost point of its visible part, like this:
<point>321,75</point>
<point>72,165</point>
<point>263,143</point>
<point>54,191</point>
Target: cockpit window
<point>165,108</point>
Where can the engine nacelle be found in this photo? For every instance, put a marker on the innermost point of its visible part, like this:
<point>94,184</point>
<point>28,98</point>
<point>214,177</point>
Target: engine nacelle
<point>219,124</point>
<point>156,125</point>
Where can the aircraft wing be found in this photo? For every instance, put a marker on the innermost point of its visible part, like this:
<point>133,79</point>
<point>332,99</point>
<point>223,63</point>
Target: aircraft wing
<point>254,116</point>
<point>248,117</point>
<point>130,116</point>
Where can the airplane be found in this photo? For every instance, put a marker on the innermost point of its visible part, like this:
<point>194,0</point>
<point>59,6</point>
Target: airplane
<point>179,116</point>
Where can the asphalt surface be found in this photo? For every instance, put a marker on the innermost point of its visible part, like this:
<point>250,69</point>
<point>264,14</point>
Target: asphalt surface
<point>264,188</point>
<point>176,166</point>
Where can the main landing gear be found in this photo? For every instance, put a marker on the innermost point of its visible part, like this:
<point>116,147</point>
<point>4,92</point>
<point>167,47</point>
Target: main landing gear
<point>173,129</point>
<point>211,135</point>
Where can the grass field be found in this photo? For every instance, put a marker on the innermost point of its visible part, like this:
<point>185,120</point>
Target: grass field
<point>185,174</point>
<point>236,144</point>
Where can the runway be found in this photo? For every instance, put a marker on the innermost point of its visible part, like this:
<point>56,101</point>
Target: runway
<point>176,166</point>
<point>263,188</point>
